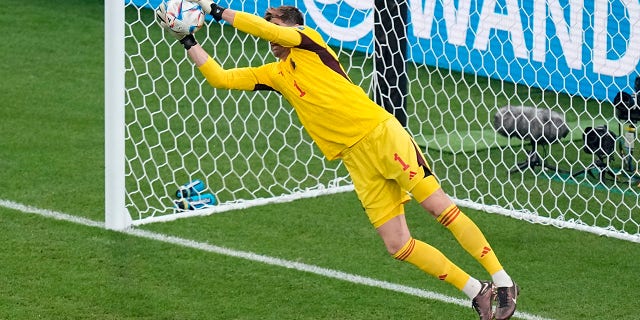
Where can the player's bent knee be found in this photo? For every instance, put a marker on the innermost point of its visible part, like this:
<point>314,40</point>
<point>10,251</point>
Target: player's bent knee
<point>394,232</point>
<point>437,203</point>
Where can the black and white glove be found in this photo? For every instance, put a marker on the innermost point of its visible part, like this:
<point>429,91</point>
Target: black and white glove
<point>211,8</point>
<point>177,28</point>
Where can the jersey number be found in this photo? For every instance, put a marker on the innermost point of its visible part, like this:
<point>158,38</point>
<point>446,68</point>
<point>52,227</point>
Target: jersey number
<point>302,92</point>
<point>405,166</point>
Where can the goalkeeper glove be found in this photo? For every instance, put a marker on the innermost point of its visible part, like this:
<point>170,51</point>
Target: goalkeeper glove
<point>211,8</point>
<point>177,28</point>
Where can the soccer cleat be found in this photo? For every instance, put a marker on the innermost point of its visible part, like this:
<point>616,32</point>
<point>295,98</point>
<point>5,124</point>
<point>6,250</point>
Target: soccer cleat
<point>482,302</point>
<point>506,305</point>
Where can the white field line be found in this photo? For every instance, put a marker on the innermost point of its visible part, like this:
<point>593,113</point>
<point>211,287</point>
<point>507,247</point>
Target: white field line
<point>335,274</point>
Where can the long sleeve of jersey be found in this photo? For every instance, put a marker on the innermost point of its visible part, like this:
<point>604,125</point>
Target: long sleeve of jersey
<point>259,27</point>
<point>236,78</point>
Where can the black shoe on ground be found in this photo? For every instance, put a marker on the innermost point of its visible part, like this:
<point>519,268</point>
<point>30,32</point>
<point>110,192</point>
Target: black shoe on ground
<point>482,302</point>
<point>506,304</point>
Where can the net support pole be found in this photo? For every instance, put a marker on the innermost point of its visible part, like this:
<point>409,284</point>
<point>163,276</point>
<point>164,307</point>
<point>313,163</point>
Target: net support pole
<point>390,45</point>
<point>116,215</point>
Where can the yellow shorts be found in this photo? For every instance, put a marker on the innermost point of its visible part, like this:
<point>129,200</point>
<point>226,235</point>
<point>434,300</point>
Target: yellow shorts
<point>384,166</point>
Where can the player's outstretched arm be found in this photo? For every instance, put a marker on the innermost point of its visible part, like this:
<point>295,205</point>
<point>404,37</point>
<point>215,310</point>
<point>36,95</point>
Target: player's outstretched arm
<point>251,24</point>
<point>217,77</point>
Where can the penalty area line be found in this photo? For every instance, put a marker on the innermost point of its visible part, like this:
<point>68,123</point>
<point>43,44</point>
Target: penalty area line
<point>329,273</point>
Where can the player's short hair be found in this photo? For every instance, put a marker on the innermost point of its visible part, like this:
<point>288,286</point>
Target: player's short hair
<point>288,15</point>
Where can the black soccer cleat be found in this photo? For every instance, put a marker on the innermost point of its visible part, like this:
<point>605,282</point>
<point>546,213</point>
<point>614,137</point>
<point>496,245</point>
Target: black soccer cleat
<point>482,302</point>
<point>506,305</point>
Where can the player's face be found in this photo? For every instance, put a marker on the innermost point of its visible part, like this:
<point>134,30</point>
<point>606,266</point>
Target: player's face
<point>278,51</point>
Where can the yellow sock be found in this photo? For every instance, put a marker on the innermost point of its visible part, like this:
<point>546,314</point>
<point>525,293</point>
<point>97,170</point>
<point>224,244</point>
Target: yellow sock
<point>470,238</point>
<point>433,262</point>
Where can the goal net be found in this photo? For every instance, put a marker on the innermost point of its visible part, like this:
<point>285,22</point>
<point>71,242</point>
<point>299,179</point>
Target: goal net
<point>464,60</point>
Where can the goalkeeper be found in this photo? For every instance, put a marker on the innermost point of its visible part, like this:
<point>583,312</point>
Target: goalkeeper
<point>383,160</point>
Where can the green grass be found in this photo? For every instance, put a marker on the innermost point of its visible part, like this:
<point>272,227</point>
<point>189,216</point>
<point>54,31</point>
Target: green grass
<point>60,270</point>
<point>52,157</point>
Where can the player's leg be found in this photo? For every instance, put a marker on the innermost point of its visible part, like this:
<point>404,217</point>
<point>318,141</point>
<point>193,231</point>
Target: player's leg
<point>471,238</point>
<point>416,176</point>
<point>403,247</point>
<point>373,169</point>
<point>465,231</point>
<point>413,174</point>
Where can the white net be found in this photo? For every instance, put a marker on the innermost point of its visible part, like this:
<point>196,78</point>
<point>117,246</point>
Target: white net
<point>464,61</point>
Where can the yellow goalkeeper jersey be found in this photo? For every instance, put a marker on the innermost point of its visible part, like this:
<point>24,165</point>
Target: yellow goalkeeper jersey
<point>335,112</point>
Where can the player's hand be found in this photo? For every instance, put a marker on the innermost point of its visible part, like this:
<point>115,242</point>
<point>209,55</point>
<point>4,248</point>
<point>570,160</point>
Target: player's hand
<point>210,7</point>
<point>204,4</point>
<point>176,28</point>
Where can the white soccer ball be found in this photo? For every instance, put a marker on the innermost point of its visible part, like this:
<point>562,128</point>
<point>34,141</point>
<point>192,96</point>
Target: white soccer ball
<point>188,12</point>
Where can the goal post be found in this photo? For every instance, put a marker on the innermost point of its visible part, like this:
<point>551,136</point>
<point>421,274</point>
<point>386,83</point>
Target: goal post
<point>116,215</point>
<point>390,52</point>
<point>165,126</point>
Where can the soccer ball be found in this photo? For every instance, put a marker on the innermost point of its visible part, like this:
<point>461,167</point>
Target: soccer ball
<point>185,11</point>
